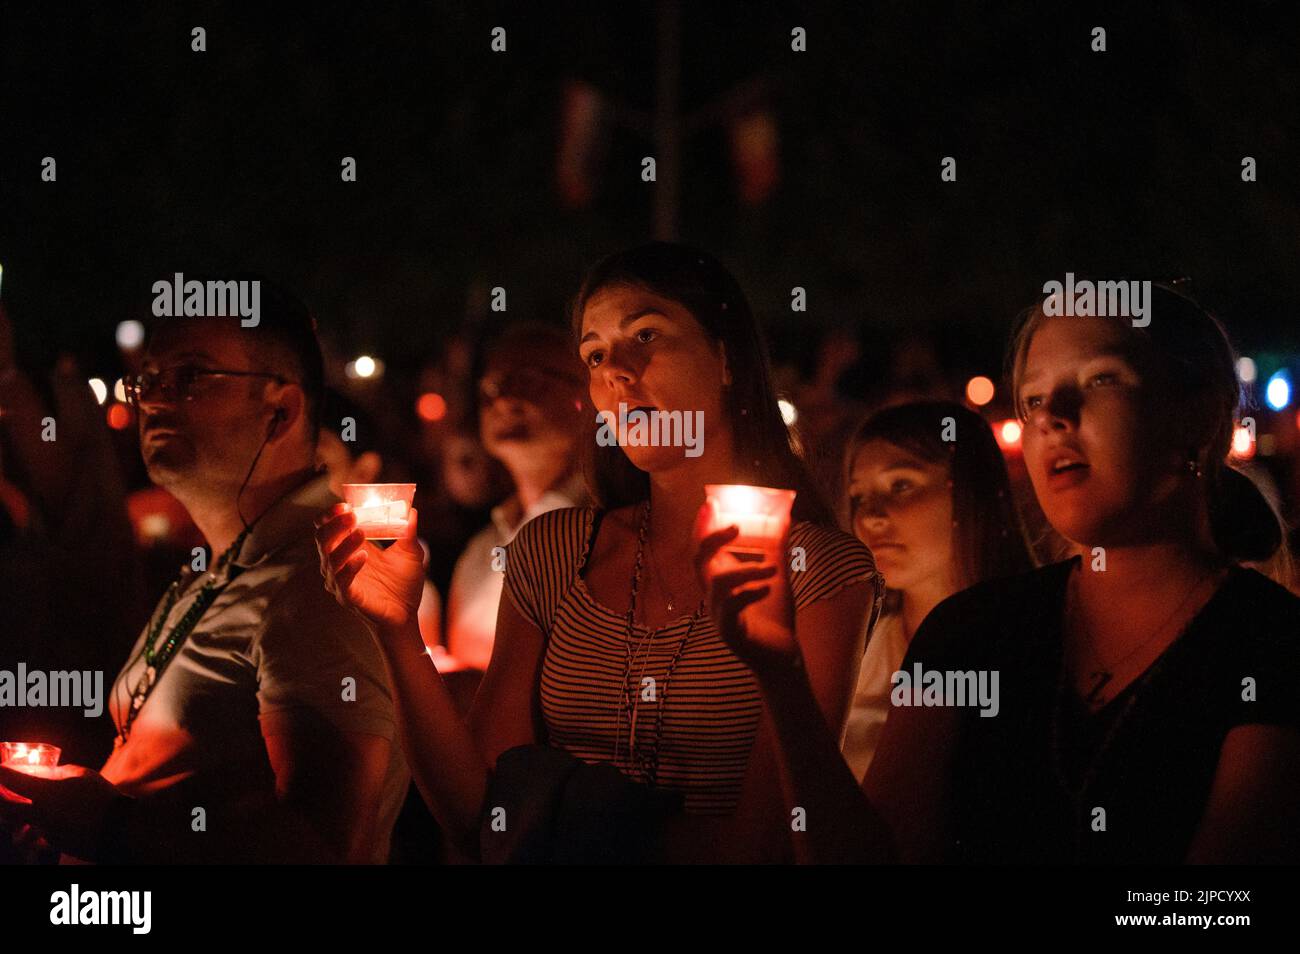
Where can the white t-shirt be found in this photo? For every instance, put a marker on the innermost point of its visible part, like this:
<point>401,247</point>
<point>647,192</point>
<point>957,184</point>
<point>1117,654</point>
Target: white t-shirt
<point>885,653</point>
<point>477,581</point>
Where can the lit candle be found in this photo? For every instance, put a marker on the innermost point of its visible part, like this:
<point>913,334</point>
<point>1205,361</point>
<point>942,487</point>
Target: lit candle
<point>763,516</point>
<point>761,513</point>
<point>382,510</point>
<point>33,758</point>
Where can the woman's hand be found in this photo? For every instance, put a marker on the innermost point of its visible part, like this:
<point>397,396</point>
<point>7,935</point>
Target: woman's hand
<point>384,586</point>
<point>761,635</point>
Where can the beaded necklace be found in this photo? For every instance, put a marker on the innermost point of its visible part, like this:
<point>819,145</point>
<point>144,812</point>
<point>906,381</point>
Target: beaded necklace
<point>645,759</point>
<point>157,659</point>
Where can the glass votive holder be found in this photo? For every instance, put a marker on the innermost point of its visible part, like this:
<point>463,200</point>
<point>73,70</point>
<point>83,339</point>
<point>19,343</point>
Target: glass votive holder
<point>382,510</point>
<point>761,513</point>
<point>34,758</point>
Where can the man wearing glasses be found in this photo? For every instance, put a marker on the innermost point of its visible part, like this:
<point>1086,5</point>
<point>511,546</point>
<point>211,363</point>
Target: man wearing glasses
<point>254,717</point>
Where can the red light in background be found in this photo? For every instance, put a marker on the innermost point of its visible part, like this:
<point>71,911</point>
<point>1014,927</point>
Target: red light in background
<point>1243,445</point>
<point>979,390</point>
<point>431,407</point>
<point>1008,434</point>
<point>119,417</point>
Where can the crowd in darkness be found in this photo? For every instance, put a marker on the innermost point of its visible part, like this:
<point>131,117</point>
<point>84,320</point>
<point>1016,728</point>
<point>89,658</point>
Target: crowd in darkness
<point>1125,584</point>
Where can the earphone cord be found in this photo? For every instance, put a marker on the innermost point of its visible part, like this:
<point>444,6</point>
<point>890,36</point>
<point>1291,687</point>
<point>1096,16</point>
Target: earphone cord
<point>253,466</point>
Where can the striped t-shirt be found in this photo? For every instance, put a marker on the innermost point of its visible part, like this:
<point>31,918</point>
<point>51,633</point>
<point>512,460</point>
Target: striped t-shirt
<point>711,703</point>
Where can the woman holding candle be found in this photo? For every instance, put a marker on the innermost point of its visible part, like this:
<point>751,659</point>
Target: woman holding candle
<point>606,647</point>
<point>1148,710</point>
<point>928,492</point>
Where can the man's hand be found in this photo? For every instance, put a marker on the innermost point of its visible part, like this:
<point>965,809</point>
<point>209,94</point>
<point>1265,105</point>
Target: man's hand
<point>69,805</point>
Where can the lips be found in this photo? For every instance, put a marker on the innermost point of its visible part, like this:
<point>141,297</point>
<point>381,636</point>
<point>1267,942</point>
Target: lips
<point>885,545</point>
<point>1066,468</point>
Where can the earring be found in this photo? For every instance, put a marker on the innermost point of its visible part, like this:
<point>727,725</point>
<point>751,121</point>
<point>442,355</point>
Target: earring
<point>1194,466</point>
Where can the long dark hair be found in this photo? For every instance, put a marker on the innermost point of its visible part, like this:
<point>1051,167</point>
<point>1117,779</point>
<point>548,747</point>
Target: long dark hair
<point>988,538</point>
<point>1195,372</point>
<point>767,451</point>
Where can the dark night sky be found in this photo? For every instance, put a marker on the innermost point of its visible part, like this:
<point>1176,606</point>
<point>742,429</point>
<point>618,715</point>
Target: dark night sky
<point>1123,163</point>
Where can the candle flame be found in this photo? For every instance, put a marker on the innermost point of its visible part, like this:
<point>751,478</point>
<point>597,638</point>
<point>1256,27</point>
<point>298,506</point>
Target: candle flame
<point>741,499</point>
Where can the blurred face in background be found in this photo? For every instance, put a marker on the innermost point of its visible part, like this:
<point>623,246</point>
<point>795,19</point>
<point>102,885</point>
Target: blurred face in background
<point>333,455</point>
<point>468,473</point>
<point>530,405</point>
<point>1098,454</point>
<point>901,507</point>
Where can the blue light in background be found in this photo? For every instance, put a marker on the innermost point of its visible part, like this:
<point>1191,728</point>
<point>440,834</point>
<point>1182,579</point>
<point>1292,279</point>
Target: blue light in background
<point>1278,391</point>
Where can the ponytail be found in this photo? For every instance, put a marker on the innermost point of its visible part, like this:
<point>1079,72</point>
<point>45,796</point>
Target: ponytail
<point>1246,528</point>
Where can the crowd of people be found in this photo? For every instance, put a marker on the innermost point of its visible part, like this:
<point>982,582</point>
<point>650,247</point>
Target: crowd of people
<point>592,676</point>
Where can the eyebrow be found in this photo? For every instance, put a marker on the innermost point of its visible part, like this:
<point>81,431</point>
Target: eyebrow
<point>1112,351</point>
<point>627,320</point>
<point>897,464</point>
<point>186,356</point>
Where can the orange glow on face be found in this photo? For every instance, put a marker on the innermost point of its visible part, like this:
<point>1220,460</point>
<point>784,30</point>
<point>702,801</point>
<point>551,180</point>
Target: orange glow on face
<point>431,407</point>
<point>119,417</point>
<point>979,391</point>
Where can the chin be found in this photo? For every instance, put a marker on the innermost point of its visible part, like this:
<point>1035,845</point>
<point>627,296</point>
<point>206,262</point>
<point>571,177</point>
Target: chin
<point>164,470</point>
<point>890,568</point>
<point>651,459</point>
<point>896,578</point>
<point>1096,523</point>
<point>1085,532</point>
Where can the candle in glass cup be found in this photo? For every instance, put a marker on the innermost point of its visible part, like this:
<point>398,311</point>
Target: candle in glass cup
<point>382,510</point>
<point>34,758</point>
<point>762,515</point>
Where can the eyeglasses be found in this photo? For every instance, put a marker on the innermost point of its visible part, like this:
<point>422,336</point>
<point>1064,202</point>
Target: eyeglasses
<point>178,383</point>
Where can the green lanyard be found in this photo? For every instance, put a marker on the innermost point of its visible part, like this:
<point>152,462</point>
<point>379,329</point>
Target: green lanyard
<point>156,660</point>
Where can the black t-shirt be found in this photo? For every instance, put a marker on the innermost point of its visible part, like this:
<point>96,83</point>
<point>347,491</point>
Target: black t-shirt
<point>1017,788</point>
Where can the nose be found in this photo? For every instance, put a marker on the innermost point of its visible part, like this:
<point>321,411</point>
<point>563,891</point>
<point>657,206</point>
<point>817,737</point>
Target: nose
<point>872,512</point>
<point>153,397</point>
<point>617,371</point>
<point>1060,411</point>
<point>156,415</point>
<point>507,404</point>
